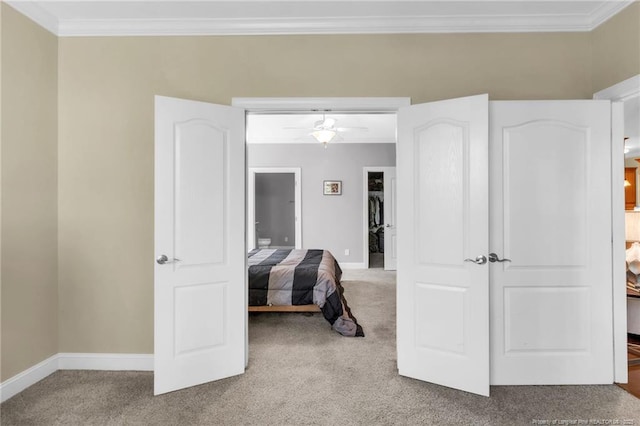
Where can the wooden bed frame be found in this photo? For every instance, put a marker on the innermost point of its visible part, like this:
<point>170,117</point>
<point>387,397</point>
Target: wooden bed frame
<point>285,308</point>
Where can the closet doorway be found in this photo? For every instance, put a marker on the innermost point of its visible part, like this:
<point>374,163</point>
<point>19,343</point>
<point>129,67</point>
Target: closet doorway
<point>379,218</point>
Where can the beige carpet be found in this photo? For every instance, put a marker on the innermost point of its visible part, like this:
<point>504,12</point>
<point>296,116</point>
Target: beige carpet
<point>301,372</point>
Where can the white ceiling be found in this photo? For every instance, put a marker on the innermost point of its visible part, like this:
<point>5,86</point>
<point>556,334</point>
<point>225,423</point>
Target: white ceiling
<point>158,17</point>
<point>275,128</point>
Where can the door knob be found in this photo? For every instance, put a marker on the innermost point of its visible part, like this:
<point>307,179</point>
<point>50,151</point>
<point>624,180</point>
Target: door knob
<point>480,260</point>
<point>163,259</point>
<point>494,258</point>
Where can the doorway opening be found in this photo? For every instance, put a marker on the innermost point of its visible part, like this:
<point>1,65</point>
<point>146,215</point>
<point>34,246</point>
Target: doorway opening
<point>379,218</point>
<point>273,208</point>
<point>275,213</point>
<point>375,207</point>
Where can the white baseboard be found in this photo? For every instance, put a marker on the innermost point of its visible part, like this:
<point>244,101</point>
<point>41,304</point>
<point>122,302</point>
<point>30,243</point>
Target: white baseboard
<point>107,362</point>
<point>353,265</point>
<point>28,377</point>
<point>74,361</point>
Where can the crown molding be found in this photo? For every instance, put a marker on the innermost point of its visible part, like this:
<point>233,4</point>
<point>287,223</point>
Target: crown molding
<point>458,23</point>
<point>324,26</point>
<point>320,26</point>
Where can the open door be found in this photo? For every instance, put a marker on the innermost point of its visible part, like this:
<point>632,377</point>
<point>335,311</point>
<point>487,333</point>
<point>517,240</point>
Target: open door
<point>200,265</point>
<point>390,227</point>
<point>443,275</point>
<point>550,202</point>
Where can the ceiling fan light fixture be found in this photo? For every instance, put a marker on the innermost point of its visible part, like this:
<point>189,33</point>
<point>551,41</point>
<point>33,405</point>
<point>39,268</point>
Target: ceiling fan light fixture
<point>324,135</point>
<point>626,148</point>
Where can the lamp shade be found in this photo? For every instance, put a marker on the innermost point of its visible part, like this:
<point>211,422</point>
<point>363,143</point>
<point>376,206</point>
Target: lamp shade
<point>324,135</point>
<point>632,225</point>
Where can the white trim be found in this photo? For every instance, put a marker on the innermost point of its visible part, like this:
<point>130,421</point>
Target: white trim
<point>251,208</point>
<point>625,90</point>
<point>353,265</point>
<point>619,276</point>
<point>74,361</point>
<point>455,21</point>
<point>620,92</point>
<point>106,362</point>
<point>321,26</point>
<point>28,377</point>
<point>284,105</point>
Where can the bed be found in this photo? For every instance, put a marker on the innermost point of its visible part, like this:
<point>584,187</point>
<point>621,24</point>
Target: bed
<point>287,280</point>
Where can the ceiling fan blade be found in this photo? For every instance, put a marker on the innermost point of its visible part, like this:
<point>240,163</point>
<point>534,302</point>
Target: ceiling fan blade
<point>297,128</point>
<point>329,122</point>
<point>347,129</point>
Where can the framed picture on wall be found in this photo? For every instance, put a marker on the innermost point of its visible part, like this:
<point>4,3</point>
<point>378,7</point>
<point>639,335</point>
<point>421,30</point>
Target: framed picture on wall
<point>332,187</point>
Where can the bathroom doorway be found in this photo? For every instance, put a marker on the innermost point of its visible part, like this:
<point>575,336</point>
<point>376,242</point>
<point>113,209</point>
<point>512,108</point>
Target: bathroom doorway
<point>274,208</point>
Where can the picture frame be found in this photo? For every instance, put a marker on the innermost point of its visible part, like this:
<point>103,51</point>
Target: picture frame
<point>332,187</point>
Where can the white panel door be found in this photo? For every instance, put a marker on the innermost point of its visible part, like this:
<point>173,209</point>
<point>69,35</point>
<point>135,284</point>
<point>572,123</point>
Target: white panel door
<point>443,300</point>
<point>550,204</point>
<point>200,268</point>
<point>390,227</point>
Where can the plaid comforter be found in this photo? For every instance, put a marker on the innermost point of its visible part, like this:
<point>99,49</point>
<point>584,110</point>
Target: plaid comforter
<point>301,277</point>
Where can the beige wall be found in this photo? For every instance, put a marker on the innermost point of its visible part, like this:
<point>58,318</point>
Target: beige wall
<point>105,146</point>
<point>616,48</point>
<point>29,193</point>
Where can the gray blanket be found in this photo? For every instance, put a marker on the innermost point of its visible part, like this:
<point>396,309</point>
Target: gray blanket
<point>301,277</point>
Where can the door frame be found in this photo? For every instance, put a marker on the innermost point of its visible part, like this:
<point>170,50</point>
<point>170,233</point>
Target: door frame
<point>365,208</point>
<point>297,105</point>
<point>618,93</point>
<point>251,202</point>
<point>351,105</point>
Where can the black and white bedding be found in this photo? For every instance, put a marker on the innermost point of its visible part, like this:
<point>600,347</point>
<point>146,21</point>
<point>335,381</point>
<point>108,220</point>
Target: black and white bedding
<point>301,277</point>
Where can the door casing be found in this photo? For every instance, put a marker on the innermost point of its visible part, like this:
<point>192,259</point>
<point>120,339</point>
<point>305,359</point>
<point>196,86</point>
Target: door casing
<point>618,93</point>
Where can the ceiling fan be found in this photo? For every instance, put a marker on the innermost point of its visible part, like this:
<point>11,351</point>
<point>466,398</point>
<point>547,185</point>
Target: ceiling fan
<point>325,130</point>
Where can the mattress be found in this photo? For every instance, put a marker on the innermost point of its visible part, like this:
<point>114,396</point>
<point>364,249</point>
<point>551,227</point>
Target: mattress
<point>283,277</point>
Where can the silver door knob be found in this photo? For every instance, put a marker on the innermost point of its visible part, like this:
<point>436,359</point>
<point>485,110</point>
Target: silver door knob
<point>480,260</point>
<point>494,258</point>
<point>388,225</point>
<point>163,259</point>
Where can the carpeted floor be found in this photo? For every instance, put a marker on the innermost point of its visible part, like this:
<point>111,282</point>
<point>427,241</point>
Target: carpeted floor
<point>301,372</point>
